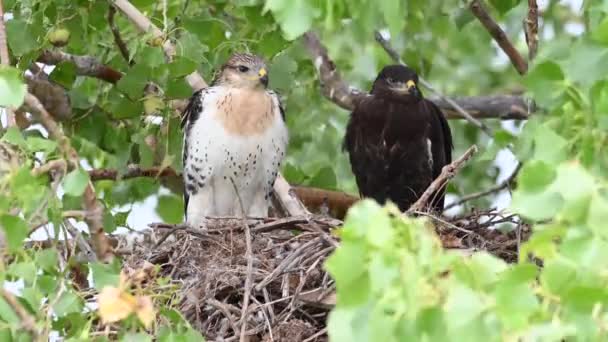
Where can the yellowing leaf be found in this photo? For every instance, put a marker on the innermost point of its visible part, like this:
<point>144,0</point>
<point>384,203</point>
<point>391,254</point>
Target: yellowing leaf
<point>115,305</point>
<point>145,310</point>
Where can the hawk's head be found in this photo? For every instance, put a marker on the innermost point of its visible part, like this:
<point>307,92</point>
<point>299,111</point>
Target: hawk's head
<point>243,70</point>
<point>397,82</point>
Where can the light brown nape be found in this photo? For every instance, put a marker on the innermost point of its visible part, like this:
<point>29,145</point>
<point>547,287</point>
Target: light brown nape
<point>246,112</point>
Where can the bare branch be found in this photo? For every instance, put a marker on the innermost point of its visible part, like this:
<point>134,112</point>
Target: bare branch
<point>332,85</point>
<point>478,9</point>
<point>463,113</point>
<point>504,107</point>
<point>345,96</point>
<point>531,29</point>
<point>85,65</point>
<point>94,209</point>
<point>503,185</point>
<point>122,47</point>
<point>447,173</point>
<point>195,80</point>
<point>133,171</point>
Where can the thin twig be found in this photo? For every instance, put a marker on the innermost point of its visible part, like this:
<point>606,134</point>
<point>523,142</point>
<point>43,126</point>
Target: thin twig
<point>224,309</point>
<point>447,173</point>
<point>94,209</point>
<point>82,244</point>
<point>85,65</point>
<point>249,257</point>
<point>27,321</point>
<point>479,10</point>
<point>386,45</point>
<point>122,46</point>
<point>531,29</point>
<point>503,185</point>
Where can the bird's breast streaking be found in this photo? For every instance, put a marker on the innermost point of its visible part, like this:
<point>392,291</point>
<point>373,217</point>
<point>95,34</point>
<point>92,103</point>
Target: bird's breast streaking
<point>238,140</point>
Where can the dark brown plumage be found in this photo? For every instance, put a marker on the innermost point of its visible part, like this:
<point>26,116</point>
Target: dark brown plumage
<point>397,141</point>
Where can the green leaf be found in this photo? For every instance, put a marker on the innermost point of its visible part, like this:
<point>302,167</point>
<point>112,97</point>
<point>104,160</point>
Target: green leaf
<point>12,88</point>
<point>600,33</point>
<point>597,219</point>
<point>25,271</point>
<point>181,66</point>
<point>105,275</point>
<point>64,73</point>
<point>295,17</point>
<point>573,181</point>
<point>14,136</point>
<point>76,182</point>
<point>462,16</point>
<point>503,6</point>
<point>16,231</point>
<point>546,83</point>
<point>20,38</point>
<point>47,259</point>
<point>549,146</point>
<point>535,176</point>
<point>67,303</point>
<point>324,178</point>
<point>136,337</point>
<point>36,144</point>
<point>170,208</point>
<point>538,206</point>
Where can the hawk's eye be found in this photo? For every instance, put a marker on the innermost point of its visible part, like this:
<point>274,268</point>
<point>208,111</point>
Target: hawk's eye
<point>243,68</point>
<point>390,80</point>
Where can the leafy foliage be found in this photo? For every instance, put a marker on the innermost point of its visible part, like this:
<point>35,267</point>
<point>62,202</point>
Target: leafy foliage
<point>394,281</point>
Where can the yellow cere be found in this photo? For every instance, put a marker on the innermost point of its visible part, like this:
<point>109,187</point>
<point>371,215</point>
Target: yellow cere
<point>262,72</point>
<point>411,84</point>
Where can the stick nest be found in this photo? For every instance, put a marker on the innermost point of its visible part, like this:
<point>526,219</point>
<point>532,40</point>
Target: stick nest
<point>290,294</point>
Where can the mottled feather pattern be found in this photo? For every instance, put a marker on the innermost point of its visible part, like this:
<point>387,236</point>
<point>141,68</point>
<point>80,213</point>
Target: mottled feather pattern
<point>215,156</point>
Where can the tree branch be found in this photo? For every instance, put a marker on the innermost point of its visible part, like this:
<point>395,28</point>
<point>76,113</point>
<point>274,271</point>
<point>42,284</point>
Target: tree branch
<point>503,185</point>
<point>478,9</point>
<point>453,105</point>
<point>531,29</point>
<point>336,90</point>
<point>85,65</point>
<point>332,85</point>
<point>448,172</point>
<point>122,47</point>
<point>94,209</point>
<point>195,80</point>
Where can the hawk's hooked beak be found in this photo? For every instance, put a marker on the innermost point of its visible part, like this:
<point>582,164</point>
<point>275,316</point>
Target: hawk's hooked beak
<point>263,76</point>
<point>412,89</point>
<point>408,88</point>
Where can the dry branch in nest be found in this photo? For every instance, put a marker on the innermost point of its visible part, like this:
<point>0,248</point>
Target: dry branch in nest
<point>290,292</point>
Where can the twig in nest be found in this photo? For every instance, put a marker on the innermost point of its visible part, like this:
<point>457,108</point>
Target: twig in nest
<point>222,307</point>
<point>27,321</point>
<point>249,257</point>
<point>500,37</point>
<point>447,173</point>
<point>531,29</point>
<point>503,185</point>
<point>122,47</point>
<point>284,265</point>
<point>386,45</point>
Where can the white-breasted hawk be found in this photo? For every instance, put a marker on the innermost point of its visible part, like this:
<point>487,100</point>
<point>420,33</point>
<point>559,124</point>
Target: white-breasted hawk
<point>234,136</point>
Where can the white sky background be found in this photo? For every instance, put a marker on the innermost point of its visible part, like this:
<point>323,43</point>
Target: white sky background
<point>143,213</point>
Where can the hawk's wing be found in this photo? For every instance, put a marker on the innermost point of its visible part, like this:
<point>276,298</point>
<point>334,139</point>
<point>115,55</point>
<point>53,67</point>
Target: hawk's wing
<point>191,113</point>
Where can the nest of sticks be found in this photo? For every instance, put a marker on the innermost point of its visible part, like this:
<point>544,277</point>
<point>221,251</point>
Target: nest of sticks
<point>278,265</point>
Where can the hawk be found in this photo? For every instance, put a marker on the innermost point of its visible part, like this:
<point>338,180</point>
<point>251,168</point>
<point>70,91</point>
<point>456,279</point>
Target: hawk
<point>397,141</point>
<point>235,139</point>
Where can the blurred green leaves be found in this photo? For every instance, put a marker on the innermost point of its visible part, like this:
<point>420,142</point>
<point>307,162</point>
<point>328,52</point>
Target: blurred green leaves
<point>12,88</point>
